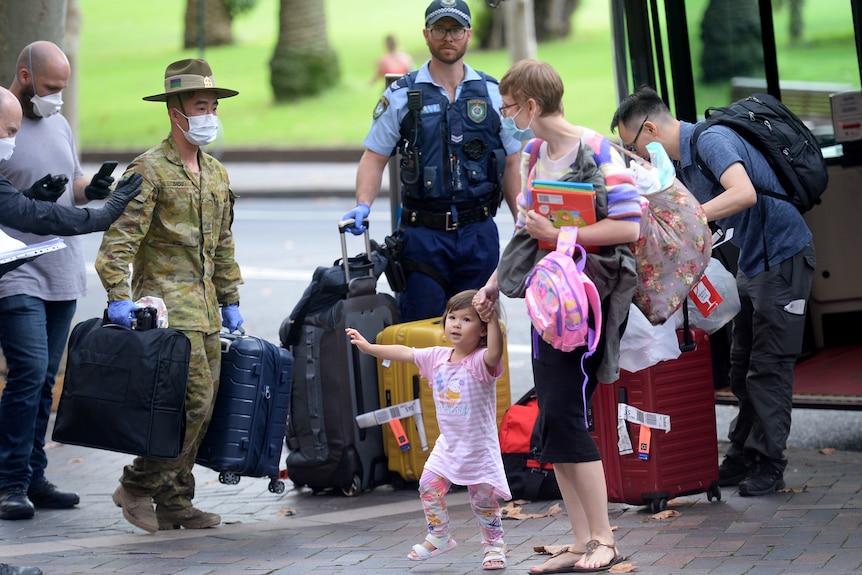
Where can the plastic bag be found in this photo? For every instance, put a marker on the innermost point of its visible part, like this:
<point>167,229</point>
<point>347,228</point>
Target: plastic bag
<point>675,242</point>
<point>644,344</point>
<point>725,284</point>
<point>160,307</point>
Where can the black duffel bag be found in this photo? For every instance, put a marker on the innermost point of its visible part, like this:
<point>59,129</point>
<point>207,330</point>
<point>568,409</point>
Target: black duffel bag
<point>124,389</point>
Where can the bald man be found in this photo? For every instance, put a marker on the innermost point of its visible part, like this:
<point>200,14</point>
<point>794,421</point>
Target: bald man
<point>38,300</point>
<point>23,210</point>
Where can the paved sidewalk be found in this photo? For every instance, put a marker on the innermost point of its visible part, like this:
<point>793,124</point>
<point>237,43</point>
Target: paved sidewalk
<point>813,528</point>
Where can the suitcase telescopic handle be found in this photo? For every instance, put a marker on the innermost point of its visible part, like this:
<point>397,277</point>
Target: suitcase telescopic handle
<point>342,228</point>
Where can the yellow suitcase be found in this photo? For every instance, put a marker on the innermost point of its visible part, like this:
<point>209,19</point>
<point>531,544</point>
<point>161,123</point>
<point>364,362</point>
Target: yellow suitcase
<point>401,383</point>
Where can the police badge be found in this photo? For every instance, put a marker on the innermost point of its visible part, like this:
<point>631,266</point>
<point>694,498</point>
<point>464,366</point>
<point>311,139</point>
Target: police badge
<point>381,106</point>
<point>477,110</point>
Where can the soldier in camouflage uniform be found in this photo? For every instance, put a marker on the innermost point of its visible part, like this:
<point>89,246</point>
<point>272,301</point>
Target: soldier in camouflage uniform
<point>177,236</point>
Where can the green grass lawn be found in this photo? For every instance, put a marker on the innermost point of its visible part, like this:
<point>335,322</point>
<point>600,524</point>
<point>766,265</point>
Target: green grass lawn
<point>124,52</point>
<point>125,47</point>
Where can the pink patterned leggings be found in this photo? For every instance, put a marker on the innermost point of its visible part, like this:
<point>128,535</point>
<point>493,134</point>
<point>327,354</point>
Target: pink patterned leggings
<point>483,501</point>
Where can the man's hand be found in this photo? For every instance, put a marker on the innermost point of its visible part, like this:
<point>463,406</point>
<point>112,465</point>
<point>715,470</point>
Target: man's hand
<point>99,187</point>
<point>120,312</point>
<point>230,317</point>
<point>48,189</point>
<point>358,215</point>
<point>127,189</point>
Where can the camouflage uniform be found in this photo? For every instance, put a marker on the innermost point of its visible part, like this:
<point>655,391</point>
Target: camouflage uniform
<point>177,236</point>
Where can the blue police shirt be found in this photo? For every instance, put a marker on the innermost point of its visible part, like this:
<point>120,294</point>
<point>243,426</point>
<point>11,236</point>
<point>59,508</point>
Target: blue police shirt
<point>385,129</point>
<point>785,230</point>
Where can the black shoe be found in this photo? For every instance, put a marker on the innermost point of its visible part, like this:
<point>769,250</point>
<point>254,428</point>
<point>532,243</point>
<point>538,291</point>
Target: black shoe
<point>15,505</point>
<point>45,494</point>
<point>763,479</point>
<point>6,569</point>
<point>731,471</point>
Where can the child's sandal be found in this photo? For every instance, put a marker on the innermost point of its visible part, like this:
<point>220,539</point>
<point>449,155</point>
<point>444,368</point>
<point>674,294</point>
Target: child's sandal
<point>421,553</point>
<point>494,558</point>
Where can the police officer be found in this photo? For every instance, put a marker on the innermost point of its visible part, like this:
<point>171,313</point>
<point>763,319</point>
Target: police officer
<point>456,166</point>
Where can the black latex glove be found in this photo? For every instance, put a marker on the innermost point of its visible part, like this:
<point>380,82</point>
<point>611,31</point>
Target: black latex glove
<point>47,189</point>
<point>99,187</point>
<point>127,189</point>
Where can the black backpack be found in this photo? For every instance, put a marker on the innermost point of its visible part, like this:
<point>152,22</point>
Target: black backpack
<point>786,143</point>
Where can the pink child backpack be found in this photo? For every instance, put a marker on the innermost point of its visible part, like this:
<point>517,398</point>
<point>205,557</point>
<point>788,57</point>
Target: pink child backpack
<point>559,297</point>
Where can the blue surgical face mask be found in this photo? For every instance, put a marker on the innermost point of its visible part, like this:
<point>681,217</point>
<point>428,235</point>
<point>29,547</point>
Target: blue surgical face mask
<point>509,126</point>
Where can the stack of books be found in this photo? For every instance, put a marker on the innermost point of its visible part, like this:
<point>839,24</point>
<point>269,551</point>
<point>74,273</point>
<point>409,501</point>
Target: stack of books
<point>564,203</point>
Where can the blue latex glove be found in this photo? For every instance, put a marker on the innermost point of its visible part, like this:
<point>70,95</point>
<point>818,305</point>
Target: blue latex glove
<point>120,312</point>
<point>230,317</point>
<point>358,215</point>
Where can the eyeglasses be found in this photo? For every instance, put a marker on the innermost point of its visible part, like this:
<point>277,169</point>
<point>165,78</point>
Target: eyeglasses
<point>438,34</point>
<point>631,147</point>
<point>503,108</point>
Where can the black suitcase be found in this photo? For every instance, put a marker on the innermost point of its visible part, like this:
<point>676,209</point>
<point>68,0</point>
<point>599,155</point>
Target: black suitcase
<point>246,433</point>
<point>334,382</point>
<point>124,390</point>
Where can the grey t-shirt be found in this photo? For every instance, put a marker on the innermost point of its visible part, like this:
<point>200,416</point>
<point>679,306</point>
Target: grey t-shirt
<point>41,147</point>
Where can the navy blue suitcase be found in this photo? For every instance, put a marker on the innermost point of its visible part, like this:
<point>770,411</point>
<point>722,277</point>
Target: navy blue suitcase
<point>246,433</point>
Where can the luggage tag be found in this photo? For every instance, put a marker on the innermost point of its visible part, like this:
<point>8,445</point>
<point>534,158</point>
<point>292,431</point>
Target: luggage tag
<point>705,297</point>
<point>400,435</point>
<point>624,442</point>
<point>643,442</point>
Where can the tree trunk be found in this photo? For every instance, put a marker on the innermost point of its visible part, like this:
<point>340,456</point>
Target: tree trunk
<point>730,31</point>
<point>520,25</point>
<point>304,63</point>
<point>72,44</point>
<point>24,22</point>
<point>216,28</point>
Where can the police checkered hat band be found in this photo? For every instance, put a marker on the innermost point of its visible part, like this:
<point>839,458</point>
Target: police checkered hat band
<point>455,9</point>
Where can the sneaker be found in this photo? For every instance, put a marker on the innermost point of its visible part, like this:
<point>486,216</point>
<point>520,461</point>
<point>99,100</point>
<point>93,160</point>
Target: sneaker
<point>189,517</point>
<point>731,471</point>
<point>15,505</point>
<point>6,569</point>
<point>764,479</point>
<point>45,494</point>
<point>137,510</point>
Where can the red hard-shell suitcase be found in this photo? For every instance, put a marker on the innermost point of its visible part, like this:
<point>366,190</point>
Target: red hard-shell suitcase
<point>681,461</point>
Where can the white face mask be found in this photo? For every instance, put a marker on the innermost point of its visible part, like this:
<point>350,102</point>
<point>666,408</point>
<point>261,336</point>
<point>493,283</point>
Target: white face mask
<point>49,105</point>
<point>7,145</point>
<point>203,129</point>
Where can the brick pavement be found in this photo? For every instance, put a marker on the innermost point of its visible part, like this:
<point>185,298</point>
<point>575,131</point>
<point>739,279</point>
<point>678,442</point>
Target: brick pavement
<point>813,528</point>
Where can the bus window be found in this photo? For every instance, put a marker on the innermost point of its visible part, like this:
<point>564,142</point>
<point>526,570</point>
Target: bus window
<point>815,53</point>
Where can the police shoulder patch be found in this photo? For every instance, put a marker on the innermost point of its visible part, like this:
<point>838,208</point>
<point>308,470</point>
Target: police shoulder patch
<point>381,107</point>
<point>477,110</point>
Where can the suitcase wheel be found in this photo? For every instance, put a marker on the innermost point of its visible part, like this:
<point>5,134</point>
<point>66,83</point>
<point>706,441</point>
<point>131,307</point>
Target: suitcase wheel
<point>354,488</point>
<point>658,505</point>
<point>714,492</point>
<point>228,478</point>
<point>398,482</point>
<point>276,486</point>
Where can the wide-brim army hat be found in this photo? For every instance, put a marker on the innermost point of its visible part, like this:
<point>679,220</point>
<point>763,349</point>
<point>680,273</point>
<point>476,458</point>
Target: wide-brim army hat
<point>190,76</point>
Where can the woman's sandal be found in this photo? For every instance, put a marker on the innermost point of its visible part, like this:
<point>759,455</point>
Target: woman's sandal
<point>421,553</point>
<point>564,568</point>
<point>592,546</point>
<point>494,558</point>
